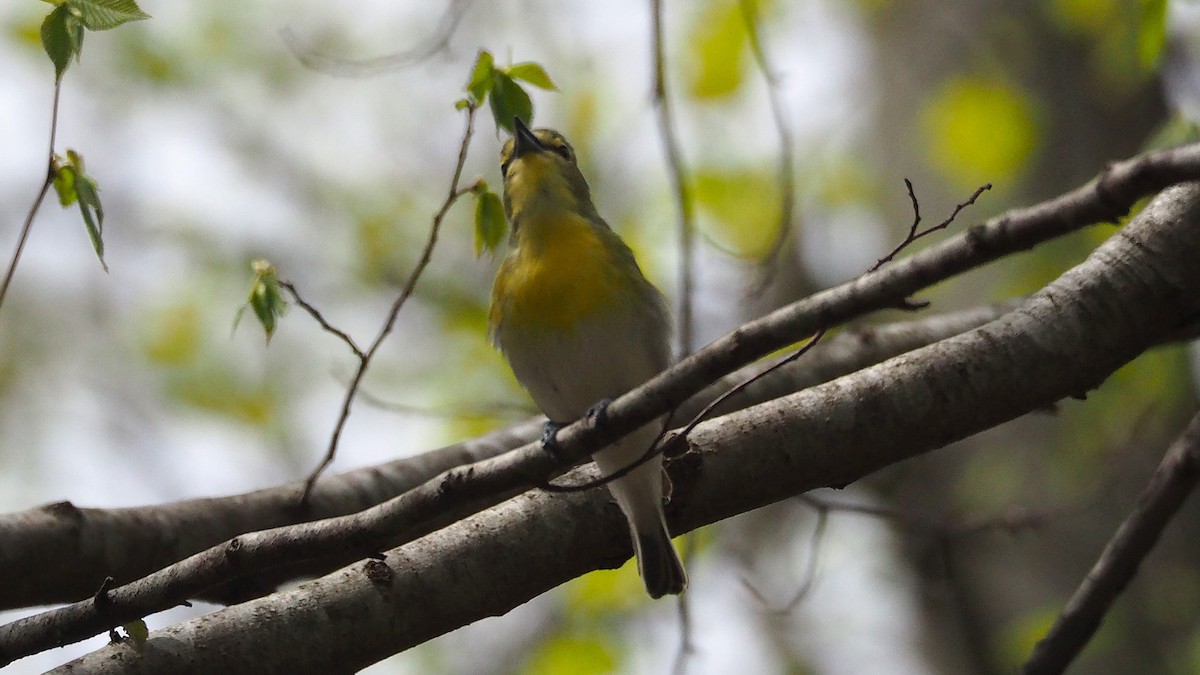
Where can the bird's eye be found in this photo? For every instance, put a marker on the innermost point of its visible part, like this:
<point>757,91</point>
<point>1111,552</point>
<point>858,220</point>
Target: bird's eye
<point>504,167</point>
<point>564,151</point>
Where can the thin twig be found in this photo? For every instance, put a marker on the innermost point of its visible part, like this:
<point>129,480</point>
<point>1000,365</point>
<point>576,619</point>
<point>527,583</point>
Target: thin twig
<point>365,361</point>
<point>316,314</point>
<point>914,233</point>
<point>37,202</point>
<point>331,65</point>
<point>687,252</point>
<point>809,578</point>
<point>480,409</point>
<point>679,183</point>
<point>1171,484</point>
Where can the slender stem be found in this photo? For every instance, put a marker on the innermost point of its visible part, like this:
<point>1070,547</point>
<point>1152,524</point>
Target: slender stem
<point>365,360</point>
<point>37,202</point>
<point>679,184</point>
<point>786,170</point>
<point>1171,484</point>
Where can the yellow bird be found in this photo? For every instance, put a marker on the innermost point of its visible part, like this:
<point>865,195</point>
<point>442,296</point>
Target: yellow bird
<point>580,324</point>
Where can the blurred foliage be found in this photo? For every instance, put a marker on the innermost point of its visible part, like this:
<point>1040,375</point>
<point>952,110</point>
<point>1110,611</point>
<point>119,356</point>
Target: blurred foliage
<point>987,110</point>
<point>979,130</point>
<point>572,655</point>
<point>1127,37</point>
<point>743,206</point>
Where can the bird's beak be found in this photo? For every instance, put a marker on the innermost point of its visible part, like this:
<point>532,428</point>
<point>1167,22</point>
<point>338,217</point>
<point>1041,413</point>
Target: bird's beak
<point>523,139</point>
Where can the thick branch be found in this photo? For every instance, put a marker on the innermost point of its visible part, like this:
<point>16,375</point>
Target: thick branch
<point>63,553</point>
<point>1065,340</point>
<point>469,489</point>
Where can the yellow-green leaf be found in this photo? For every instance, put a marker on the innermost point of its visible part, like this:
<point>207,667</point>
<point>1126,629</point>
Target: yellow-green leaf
<point>265,299</point>
<point>64,184</point>
<point>490,224</point>
<point>106,14</point>
<point>572,655</point>
<point>532,73</point>
<point>138,632</point>
<point>745,208</point>
<point>480,84</point>
<point>1152,33</point>
<point>979,130</point>
<point>717,50</point>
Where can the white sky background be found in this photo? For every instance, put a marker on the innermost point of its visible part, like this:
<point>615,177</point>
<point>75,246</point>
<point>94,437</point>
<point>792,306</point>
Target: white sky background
<point>198,179</point>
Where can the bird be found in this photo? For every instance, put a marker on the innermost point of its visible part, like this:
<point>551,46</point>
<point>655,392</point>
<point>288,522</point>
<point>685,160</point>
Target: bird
<point>580,324</point>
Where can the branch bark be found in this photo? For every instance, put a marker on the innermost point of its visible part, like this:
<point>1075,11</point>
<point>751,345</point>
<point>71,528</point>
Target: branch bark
<point>1066,339</point>
<point>63,552</point>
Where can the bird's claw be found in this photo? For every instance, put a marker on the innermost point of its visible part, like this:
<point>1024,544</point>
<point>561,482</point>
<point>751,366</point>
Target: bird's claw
<point>549,441</point>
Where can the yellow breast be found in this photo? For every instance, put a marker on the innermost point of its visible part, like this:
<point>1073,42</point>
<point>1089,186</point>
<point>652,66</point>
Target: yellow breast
<point>560,272</point>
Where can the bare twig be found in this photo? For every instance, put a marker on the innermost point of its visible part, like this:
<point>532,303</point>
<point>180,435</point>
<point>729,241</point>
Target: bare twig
<point>809,577</point>
<point>37,202</point>
<point>343,67</point>
<point>914,233</point>
<point>786,169</point>
<point>1171,484</point>
<point>679,183</point>
<point>426,254</point>
<point>478,410</point>
<point>316,314</point>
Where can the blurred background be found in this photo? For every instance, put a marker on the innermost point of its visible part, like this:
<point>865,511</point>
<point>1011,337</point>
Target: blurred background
<point>214,144</point>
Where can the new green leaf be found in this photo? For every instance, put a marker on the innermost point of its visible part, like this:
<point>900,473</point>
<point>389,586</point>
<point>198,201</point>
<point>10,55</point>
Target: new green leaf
<point>265,298</point>
<point>138,632</point>
<point>93,213</point>
<point>72,184</point>
<point>62,37</point>
<point>533,74</point>
<point>509,100</point>
<point>106,14</point>
<point>480,84</point>
<point>490,224</point>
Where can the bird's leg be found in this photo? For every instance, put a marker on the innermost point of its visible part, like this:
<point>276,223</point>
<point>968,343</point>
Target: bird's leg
<point>598,413</point>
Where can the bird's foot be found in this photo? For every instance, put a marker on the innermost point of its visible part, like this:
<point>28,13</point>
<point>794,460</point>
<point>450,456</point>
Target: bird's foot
<point>598,414</point>
<point>549,441</point>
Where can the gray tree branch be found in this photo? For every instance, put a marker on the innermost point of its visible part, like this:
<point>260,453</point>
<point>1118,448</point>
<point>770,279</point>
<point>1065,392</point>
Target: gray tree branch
<point>1063,341</point>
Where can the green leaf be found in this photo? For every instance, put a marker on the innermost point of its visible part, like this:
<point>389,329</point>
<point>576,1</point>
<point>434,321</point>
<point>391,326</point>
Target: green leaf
<point>93,213</point>
<point>106,14</point>
<point>980,130</point>
<point>480,84</point>
<point>717,51</point>
<point>64,183</point>
<point>575,654</point>
<point>137,632</point>
<point>490,224</point>
<point>265,298</point>
<point>509,100</point>
<point>532,73</point>
<point>57,38</point>
<point>74,185</point>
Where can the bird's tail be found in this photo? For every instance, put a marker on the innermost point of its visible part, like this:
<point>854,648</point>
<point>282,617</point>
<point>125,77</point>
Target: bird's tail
<point>659,564</point>
<point>639,494</point>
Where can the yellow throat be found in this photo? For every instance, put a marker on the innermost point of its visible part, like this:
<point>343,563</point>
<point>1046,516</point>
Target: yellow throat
<point>562,268</point>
